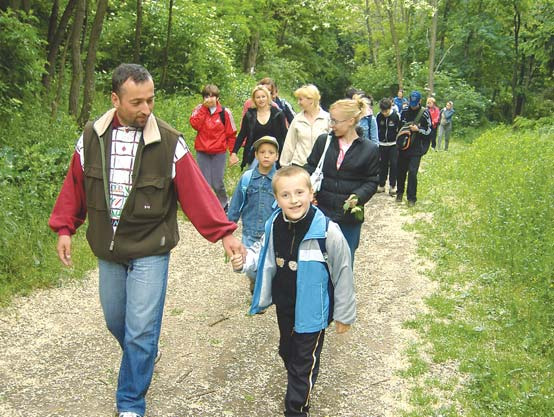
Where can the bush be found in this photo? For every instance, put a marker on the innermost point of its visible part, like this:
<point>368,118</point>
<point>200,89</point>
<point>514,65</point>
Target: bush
<point>34,156</point>
<point>21,60</point>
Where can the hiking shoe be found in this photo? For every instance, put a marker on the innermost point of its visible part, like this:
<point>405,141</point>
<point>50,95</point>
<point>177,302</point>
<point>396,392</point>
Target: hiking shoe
<point>399,198</point>
<point>392,191</point>
<point>129,414</point>
<point>381,189</point>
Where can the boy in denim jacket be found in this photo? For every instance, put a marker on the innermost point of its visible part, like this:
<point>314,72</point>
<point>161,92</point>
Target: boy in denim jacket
<point>253,198</point>
<point>303,267</point>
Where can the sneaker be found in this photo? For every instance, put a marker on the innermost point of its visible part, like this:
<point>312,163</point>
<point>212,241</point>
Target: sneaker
<point>392,190</point>
<point>158,356</point>
<point>381,189</point>
<point>129,414</point>
<point>399,198</point>
<point>411,203</point>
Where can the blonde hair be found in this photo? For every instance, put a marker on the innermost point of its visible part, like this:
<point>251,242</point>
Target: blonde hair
<point>288,172</point>
<point>309,91</point>
<point>265,90</point>
<point>354,108</point>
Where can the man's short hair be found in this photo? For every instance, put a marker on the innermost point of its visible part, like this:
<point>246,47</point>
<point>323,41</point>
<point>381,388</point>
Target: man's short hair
<point>385,104</point>
<point>123,72</point>
<point>290,171</point>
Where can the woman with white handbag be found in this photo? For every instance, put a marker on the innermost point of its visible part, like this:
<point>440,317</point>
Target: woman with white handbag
<point>348,173</point>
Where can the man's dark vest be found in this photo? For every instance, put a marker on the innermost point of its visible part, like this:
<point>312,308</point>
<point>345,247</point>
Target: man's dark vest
<point>148,223</point>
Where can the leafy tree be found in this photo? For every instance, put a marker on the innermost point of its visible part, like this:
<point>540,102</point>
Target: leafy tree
<point>21,60</point>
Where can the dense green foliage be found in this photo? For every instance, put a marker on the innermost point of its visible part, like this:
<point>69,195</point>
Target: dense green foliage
<point>493,246</point>
<point>21,61</point>
<point>31,171</point>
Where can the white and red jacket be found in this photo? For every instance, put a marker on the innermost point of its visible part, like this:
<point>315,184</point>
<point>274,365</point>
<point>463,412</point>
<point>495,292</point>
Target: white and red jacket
<point>213,136</point>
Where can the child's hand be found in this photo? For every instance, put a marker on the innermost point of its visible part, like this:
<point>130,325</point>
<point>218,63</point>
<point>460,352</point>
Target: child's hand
<point>341,327</point>
<point>237,262</point>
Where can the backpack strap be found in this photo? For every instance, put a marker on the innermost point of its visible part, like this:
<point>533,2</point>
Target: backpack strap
<point>222,115</point>
<point>243,184</point>
<point>330,288</point>
<point>419,115</point>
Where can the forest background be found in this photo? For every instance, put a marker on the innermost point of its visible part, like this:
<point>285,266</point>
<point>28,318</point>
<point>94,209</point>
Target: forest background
<point>494,59</point>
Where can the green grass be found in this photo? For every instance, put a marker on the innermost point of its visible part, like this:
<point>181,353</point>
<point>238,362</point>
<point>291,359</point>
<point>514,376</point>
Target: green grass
<point>492,242</point>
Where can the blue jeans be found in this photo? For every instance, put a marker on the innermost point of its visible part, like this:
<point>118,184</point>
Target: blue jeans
<point>132,298</point>
<point>351,233</point>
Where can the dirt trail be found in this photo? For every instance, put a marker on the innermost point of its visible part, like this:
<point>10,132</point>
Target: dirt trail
<point>59,360</point>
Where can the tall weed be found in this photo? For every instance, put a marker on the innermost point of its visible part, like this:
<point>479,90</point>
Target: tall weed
<point>493,244</point>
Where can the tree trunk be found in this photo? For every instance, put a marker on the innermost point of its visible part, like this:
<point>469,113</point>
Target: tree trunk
<point>444,23</point>
<point>77,66</point>
<point>394,36</point>
<point>372,52</point>
<point>95,32</point>
<point>252,53</point>
<point>60,81</point>
<point>52,22</point>
<point>57,39</point>
<point>515,92</point>
<point>434,5</point>
<point>166,49</point>
<point>138,31</point>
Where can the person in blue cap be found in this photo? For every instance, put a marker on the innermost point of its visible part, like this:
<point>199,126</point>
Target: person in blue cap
<point>419,120</point>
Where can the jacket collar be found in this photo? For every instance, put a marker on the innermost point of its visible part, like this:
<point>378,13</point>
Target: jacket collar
<point>150,132</point>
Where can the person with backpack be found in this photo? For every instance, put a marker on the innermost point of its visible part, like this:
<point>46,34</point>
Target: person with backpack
<point>388,122</point>
<point>445,124</point>
<point>253,199</point>
<point>418,122</point>
<point>216,135</point>
<point>302,266</point>
<point>434,112</point>
<point>368,123</point>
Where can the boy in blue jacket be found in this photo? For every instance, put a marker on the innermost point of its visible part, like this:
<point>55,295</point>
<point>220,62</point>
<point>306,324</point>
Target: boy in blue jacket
<point>303,267</point>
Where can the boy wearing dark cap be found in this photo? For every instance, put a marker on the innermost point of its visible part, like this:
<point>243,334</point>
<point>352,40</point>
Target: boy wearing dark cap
<point>419,120</point>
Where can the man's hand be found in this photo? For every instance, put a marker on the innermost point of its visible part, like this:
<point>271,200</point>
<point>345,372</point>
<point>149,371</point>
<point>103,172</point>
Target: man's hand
<point>341,327</point>
<point>233,159</point>
<point>233,246</point>
<point>414,128</point>
<point>64,249</point>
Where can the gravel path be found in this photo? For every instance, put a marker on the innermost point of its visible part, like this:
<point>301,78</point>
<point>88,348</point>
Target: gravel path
<point>59,360</point>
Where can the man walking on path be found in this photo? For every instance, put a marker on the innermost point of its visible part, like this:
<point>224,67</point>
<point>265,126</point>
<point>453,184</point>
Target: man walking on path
<point>419,121</point>
<point>128,171</point>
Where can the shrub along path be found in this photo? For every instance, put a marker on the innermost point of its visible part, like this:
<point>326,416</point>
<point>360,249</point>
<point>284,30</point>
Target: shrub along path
<point>59,360</point>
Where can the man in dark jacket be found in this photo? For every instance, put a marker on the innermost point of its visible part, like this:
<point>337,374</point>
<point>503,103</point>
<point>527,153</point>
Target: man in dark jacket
<point>388,125</point>
<point>419,121</point>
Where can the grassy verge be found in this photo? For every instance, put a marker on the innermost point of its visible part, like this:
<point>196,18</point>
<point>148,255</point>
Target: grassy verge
<point>491,238</point>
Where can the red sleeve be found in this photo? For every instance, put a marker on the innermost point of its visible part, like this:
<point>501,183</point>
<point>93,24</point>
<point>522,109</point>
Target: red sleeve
<point>198,117</point>
<point>230,131</point>
<point>70,209</point>
<point>199,202</point>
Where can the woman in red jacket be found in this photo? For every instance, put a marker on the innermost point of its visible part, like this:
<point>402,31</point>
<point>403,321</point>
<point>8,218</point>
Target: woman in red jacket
<point>216,134</point>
